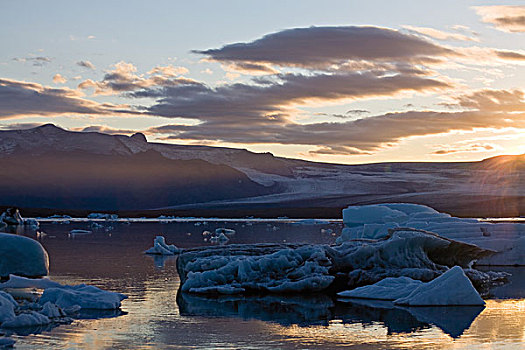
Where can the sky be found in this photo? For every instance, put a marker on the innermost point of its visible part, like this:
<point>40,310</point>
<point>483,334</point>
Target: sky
<point>331,81</point>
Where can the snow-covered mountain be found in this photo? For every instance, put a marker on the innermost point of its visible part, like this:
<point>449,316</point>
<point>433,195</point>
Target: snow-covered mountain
<point>98,163</point>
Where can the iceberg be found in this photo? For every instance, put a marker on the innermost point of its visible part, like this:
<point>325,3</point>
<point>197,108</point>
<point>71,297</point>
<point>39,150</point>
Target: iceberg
<point>289,268</point>
<point>161,248</point>
<point>451,288</point>
<point>22,256</point>
<point>376,221</point>
<point>390,288</point>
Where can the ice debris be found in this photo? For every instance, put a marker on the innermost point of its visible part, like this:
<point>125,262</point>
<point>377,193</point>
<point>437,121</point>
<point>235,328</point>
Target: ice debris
<point>390,288</point>
<point>161,248</point>
<point>22,256</point>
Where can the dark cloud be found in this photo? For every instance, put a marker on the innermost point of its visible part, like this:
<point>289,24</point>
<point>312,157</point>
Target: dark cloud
<point>274,99</point>
<point>510,55</point>
<point>362,135</point>
<point>476,147</point>
<point>20,98</point>
<point>322,47</point>
<point>86,64</point>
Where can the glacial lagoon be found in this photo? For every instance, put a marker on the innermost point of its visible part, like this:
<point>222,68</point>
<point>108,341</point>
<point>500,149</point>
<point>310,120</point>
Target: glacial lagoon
<point>156,315</point>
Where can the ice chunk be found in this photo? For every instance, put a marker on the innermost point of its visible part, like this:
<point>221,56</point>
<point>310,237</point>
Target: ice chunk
<point>390,288</point>
<point>28,319</point>
<point>451,288</point>
<point>514,254</point>
<point>225,231</point>
<point>12,217</point>
<point>51,310</point>
<point>161,248</point>
<point>7,308</point>
<point>6,342</point>
<point>87,297</point>
<point>23,282</point>
<point>22,256</point>
<point>78,232</point>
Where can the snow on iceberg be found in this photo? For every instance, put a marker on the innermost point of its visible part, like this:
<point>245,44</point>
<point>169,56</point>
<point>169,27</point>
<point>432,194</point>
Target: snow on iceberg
<point>161,248</point>
<point>451,288</point>
<point>309,268</point>
<point>390,288</point>
<point>375,222</point>
<point>22,256</point>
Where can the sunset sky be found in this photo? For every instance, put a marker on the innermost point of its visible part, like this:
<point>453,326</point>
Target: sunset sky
<point>332,81</point>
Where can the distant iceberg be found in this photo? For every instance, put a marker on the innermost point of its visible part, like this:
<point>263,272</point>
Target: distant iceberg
<point>376,221</point>
<point>161,248</point>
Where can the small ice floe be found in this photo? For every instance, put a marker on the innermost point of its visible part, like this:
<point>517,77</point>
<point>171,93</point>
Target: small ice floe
<point>451,288</point>
<point>78,232</point>
<point>12,217</point>
<point>226,231</point>
<point>83,296</point>
<point>161,248</point>
<point>102,216</point>
<point>32,223</point>
<point>22,256</point>
<point>96,226</point>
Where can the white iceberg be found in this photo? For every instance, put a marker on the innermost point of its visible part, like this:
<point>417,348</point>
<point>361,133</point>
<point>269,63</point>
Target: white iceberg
<point>161,248</point>
<point>451,288</point>
<point>390,288</point>
<point>22,256</point>
<point>377,221</point>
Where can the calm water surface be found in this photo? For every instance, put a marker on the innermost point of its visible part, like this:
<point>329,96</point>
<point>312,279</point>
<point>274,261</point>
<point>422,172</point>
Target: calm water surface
<point>156,316</point>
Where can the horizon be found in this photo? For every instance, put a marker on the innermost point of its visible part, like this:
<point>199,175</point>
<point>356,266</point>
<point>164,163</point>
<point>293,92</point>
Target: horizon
<point>339,83</point>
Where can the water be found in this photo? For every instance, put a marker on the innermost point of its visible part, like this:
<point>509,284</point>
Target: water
<point>156,316</point>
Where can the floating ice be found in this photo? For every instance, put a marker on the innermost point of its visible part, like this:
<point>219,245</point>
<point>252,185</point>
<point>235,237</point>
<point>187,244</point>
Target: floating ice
<point>86,297</point>
<point>390,288</point>
<point>12,217</point>
<point>451,288</point>
<point>291,268</point>
<point>22,256</point>
<point>26,319</point>
<point>226,231</point>
<point>24,282</point>
<point>375,222</point>
<point>78,232</point>
<point>161,248</point>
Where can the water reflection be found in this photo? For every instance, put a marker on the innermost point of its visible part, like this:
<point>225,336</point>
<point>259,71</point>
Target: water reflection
<point>321,309</point>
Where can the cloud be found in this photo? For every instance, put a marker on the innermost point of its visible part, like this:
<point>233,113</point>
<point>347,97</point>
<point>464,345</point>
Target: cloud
<point>37,61</point>
<point>324,47</point>
<point>275,99</point>
<point>18,98</point>
<point>123,79</point>
<point>492,100</point>
<point>510,55</point>
<point>475,147</point>
<point>59,79</point>
<point>439,34</point>
<point>105,129</point>
<point>169,71</point>
<point>510,19</point>
<point>365,135</point>
<point>86,64</point>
